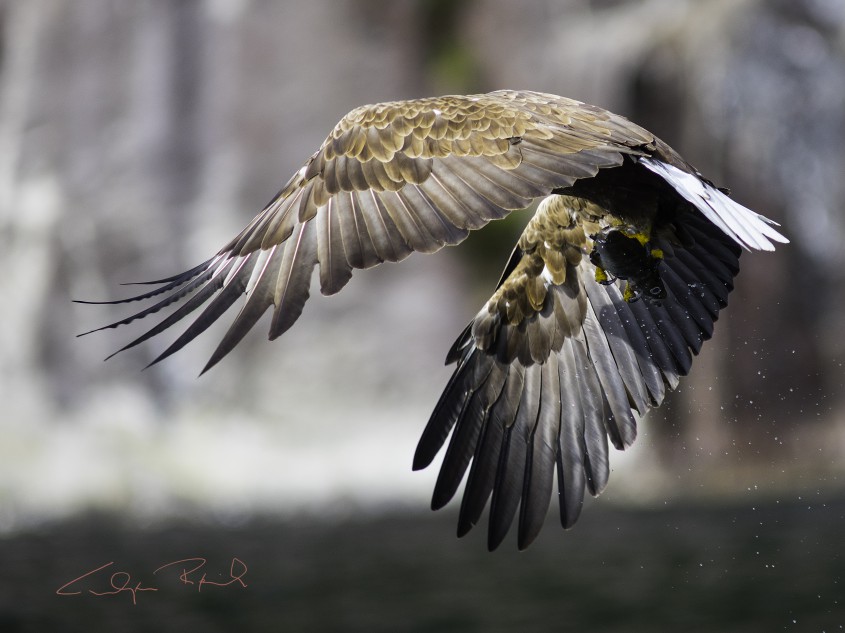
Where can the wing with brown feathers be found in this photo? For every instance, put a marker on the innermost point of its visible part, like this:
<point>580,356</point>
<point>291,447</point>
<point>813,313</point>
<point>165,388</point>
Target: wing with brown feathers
<point>390,179</point>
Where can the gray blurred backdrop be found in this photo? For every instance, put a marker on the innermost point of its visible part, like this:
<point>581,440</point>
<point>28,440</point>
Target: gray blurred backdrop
<point>137,136</point>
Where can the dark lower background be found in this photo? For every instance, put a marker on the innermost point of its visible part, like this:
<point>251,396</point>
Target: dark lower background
<point>771,567</point>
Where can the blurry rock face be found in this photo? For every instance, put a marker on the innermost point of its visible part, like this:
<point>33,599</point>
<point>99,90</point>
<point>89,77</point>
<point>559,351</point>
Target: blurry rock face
<point>136,137</point>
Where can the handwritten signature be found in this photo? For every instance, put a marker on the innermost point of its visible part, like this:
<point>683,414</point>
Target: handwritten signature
<point>122,581</point>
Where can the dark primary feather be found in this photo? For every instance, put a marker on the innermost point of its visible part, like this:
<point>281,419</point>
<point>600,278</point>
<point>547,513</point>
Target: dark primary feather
<point>556,364</point>
<point>623,354</point>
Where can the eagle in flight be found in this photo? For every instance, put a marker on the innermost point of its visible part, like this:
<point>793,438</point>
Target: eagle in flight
<point>613,286</point>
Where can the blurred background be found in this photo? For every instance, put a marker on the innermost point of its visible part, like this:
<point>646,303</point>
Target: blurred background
<point>137,136</point>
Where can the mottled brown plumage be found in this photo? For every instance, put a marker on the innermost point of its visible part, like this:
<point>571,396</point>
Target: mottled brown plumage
<point>563,356</point>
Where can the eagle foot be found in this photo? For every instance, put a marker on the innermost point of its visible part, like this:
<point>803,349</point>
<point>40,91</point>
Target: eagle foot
<point>602,277</point>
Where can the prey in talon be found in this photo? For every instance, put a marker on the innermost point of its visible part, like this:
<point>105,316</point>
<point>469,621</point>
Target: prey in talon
<point>630,257</point>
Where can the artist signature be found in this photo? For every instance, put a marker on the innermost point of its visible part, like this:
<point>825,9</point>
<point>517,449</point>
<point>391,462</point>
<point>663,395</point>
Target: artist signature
<point>191,572</point>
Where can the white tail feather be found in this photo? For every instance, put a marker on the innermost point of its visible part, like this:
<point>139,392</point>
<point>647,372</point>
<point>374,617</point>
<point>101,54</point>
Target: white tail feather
<point>747,228</point>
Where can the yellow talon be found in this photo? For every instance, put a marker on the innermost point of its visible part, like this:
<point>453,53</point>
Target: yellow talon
<point>642,238</point>
<point>629,294</point>
<point>657,253</point>
<point>601,275</point>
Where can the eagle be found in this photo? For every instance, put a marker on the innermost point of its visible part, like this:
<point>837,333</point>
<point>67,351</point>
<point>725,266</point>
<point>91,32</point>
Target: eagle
<point>612,288</point>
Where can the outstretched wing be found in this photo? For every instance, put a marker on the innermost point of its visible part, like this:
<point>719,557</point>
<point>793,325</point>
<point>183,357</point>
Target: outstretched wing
<point>556,363</point>
<point>391,179</point>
